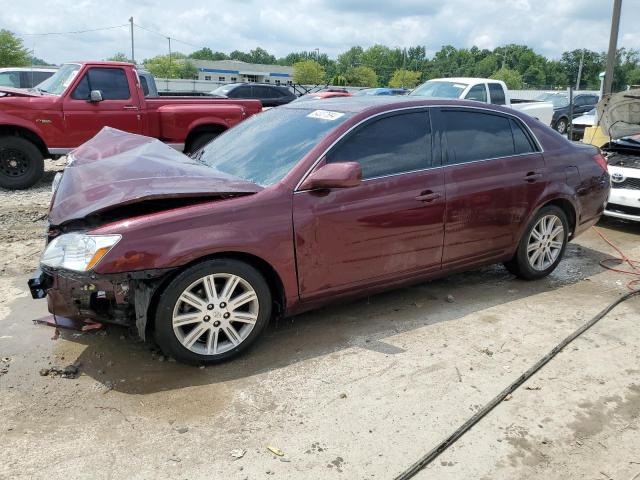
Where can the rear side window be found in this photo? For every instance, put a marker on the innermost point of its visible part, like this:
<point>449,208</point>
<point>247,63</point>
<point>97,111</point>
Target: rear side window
<point>475,136</point>
<point>241,92</point>
<point>521,141</point>
<point>497,94</point>
<point>144,86</point>
<point>112,82</point>
<point>390,145</point>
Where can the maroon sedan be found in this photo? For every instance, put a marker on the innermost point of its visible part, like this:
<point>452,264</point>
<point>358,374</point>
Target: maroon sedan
<point>303,205</point>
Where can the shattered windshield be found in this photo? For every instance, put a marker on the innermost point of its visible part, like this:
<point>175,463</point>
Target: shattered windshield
<point>265,147</point>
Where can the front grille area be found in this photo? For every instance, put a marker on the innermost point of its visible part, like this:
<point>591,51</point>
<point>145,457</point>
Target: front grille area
<point>630,183</point>
<point>617,208</point>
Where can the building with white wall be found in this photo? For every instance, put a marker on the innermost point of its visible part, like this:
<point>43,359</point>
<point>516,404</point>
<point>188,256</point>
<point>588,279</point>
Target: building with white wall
<point>231,71</point>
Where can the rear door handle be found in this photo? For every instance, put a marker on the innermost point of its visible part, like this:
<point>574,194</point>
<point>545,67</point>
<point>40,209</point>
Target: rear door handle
<point>130,107</point>
<point>428,196</point>
<point>532,177</point>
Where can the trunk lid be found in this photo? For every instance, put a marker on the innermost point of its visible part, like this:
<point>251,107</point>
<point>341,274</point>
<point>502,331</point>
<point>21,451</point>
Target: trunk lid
<point>116,168</point>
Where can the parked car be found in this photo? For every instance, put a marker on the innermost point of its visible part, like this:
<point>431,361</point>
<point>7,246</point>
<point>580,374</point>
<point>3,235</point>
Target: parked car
<point>304,205</point>
<point>323,95</point>
<point>582,103</point>
<point>618,116</point>
<point>483,90</point>
<point>382,91</point>
<point>579,124</point>
<point>269,95</point>
<point>24,77</point>
<point>76,102</point>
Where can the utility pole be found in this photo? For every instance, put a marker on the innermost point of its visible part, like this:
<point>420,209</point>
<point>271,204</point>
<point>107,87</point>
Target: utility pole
<point>580,70</point>
<point>613,44</point>
<point>169,38</point>
<point>133,55</point>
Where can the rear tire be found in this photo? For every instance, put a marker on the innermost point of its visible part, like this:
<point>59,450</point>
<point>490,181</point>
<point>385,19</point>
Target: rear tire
<point>212,312</point>
<point>542,244</point>
<point>200,141</point>
<point>21,163</point>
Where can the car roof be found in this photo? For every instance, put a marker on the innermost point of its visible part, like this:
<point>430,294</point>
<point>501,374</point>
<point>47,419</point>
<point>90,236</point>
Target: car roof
<point>466,80</point>
<point>358,104</point>
<point>29,69</point>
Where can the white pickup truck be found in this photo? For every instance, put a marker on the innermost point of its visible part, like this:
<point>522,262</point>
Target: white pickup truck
<point>483,90</point>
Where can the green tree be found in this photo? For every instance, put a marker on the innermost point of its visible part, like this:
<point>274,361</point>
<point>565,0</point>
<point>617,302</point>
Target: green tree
<point>633,77</point>
<point>119,57</point>
<point>308,72</point>
<point>534,77</point>
<point>405,79</point>
<point>511,77</point>
<point>177,66</point>
<point>362,77</point>
<point>592,65</point>
<point>339,81</point>
<point>207,54</point>
<point>12,51</point>
<point>349,59</point>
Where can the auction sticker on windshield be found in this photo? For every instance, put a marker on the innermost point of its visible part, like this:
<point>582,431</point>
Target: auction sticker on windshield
<point>325,115</point>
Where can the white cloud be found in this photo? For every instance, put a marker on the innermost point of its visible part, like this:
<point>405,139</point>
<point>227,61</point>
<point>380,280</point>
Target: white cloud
<point>283,26</point>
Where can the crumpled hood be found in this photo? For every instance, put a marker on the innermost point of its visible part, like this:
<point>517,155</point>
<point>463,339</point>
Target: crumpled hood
<point>619,114</point>
<point>116,168</point>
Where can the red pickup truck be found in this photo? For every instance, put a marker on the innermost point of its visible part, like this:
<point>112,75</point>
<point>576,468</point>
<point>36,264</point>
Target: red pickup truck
<point>81,98</point>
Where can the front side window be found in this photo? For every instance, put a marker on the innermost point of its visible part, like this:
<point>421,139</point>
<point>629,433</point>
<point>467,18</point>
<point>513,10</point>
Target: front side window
<point>477,93</point>
<point>475,136</point>
<point>390,145</point>
<point>112,83</point>
<point>497,94</point>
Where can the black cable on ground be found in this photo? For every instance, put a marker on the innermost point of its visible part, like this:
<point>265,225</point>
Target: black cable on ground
<point>466,426</point>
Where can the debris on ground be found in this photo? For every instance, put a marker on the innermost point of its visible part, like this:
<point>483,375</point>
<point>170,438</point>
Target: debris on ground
<point>533,387</point>
<point>450,298</point>
<point>275,450</point>
<point>238,453</point>
<point>343,395</point>
<point>487,351</point>
<point>70,371</point>
<point>508,397</point>
<point>4,365</point>
<point>182,429</point>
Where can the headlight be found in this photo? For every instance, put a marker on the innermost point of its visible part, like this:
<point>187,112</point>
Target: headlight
<point>78,251</point>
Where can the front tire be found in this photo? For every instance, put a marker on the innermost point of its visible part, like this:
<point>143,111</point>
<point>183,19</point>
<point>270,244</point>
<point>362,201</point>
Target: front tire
<point>21,163</point>
<point>212,312</point>
<point>561,126</point>
<point>542,245</point>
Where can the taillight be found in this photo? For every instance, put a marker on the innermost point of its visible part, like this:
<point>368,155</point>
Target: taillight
<point>600,160</point>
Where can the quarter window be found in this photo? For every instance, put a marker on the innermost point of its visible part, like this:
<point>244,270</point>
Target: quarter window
<point>497,94</point>
<point>390,145</point>
<point>112,82</point>
<point>475,136</point>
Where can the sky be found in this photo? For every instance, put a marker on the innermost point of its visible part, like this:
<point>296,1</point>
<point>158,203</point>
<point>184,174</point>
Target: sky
<point>332,26</point>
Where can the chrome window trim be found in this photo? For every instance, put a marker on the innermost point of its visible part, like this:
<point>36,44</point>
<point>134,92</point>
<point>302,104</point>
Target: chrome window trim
<point>420,107</point>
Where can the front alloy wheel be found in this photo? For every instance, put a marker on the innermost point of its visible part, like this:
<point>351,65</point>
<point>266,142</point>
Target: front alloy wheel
<point>561,126</point>
<point>212,311</point>
<point>215,314</point>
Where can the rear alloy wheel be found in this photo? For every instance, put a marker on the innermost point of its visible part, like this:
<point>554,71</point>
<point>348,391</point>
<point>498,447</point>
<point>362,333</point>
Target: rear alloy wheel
<point>212,312</point>
<point>542,245</point>
<point>21,163</point>
<point>561,126</point>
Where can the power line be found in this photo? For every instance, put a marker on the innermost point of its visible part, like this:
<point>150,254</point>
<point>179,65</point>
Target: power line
<point>167,36</point>
<point>73,32</point>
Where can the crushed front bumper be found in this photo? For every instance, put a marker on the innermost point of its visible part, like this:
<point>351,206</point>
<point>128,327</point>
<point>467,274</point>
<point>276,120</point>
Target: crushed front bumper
<point>86,296</point>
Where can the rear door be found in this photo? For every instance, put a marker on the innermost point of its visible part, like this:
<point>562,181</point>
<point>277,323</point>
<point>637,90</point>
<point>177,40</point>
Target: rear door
<point>119,107</point>
<point>388,227</point>
<point>494,174</point>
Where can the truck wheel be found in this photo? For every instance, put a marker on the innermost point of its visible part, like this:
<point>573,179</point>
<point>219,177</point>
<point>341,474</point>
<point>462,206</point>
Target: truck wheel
<point>561,126</point>
<point>542,245</point>
<point>21,163</point>
<point>212,311</point>
<point>200,141</point>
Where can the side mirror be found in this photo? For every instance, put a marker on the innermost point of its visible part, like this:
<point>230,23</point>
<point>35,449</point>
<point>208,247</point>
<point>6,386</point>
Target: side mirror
<point>334,175</point>
<point>95,96</point>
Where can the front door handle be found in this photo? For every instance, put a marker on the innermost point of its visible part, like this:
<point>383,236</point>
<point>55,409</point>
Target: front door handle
<point>428,196</point>
<point>532,177</point>
<point>130,107</point>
